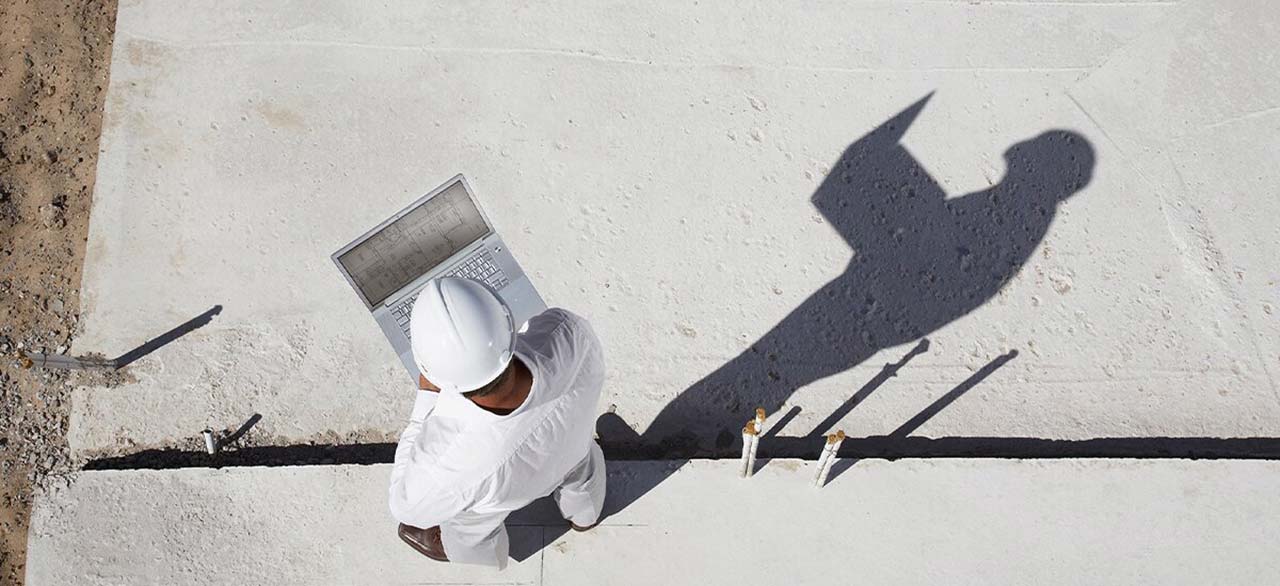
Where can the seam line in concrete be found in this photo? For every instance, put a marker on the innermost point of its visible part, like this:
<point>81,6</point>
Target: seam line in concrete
<point>594,56</point>
<point>1080,3</point>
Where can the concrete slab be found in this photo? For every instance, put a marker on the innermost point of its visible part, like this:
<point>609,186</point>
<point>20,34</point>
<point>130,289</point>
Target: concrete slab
<point>1199,118</point>
<point>655,171</point>
<point>314,525</point>
<point>905,522</point>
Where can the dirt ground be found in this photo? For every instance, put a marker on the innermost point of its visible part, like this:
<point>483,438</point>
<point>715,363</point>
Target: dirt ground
<point>54,58</point>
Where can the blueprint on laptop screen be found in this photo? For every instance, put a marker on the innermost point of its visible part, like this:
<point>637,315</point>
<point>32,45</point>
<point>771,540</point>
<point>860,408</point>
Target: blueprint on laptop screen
<point>414,244</point>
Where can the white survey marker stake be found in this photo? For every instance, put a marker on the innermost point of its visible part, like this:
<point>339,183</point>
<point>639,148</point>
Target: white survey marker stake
<point>748,448</point>
<point>755,440</point>
<point>751,442</point>
<point>828,458</point>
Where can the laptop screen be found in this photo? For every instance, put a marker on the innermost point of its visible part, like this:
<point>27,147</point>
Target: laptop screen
<point>414,244</point>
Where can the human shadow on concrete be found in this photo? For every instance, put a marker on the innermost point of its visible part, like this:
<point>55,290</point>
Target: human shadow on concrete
<point>920,261</point>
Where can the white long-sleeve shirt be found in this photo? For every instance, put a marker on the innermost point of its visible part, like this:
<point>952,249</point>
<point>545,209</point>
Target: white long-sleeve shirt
<point>464,468</point>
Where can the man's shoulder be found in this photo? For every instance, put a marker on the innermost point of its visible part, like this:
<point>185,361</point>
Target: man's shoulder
<point>557,321</point>
<point>557,337</point>
<point>560,315</point>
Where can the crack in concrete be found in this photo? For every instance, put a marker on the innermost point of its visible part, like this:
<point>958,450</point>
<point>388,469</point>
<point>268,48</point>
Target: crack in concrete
<point>1242,117</point>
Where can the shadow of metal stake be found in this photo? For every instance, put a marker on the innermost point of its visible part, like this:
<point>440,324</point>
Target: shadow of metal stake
<point>59,361</point>
<point>244,428</point>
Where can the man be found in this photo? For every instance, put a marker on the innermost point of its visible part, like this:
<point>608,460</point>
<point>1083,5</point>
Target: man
<point>502,419</point>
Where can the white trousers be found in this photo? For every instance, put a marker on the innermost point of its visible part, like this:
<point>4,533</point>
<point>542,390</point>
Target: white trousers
<point>482,539</point>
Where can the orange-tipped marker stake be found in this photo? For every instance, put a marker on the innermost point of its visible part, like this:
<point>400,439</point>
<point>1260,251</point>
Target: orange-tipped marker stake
<point>822,459</point>
<point>755,446</point>
<point>828,458</point>
<point>748,448</point>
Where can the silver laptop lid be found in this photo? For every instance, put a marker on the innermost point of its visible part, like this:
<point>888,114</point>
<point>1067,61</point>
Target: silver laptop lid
<point>413,242</point>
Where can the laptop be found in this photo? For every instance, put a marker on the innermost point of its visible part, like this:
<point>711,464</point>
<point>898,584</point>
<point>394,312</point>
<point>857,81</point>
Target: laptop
<point>444,233</point>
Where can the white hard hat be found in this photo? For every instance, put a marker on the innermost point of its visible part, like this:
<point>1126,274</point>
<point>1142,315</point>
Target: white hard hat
<point>462,334</point>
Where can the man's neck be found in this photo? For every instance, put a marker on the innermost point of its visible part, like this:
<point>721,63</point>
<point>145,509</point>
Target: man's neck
<point>508,398</point>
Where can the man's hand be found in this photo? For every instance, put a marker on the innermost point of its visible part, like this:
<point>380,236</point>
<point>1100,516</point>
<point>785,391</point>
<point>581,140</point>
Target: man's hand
<point>426,385</point>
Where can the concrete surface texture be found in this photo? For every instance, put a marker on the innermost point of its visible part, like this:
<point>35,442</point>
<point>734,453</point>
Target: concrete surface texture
<point>907,522</point>
<point>1205,132</point>
<point>755,204</point>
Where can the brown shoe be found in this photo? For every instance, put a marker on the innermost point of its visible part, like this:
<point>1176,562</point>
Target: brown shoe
<point>425,541</point>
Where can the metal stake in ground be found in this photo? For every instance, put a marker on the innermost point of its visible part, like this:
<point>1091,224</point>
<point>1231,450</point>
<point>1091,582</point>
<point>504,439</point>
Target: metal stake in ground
<point>35,359</point>
<point>210,444</point>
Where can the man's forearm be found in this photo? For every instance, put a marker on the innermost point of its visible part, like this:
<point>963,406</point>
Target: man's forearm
<point>422,405</point>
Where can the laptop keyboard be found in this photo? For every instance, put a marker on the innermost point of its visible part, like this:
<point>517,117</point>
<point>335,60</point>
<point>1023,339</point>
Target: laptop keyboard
<point>477,267</point>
